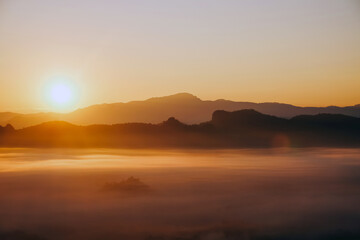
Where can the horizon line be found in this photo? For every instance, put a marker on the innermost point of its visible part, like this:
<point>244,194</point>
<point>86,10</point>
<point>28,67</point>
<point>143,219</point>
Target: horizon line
<point>164,96</point>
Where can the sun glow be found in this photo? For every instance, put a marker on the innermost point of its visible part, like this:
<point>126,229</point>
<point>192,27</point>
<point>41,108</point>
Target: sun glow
<point>61,94</point>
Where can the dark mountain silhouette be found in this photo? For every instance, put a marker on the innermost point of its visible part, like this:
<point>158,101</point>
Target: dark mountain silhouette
<point>246,118</point>
<point>183,106</point>
<point>244,128</point>
<point>7,129</point>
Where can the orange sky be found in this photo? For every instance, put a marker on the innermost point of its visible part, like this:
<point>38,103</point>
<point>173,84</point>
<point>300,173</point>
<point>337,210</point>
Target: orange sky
<point>299,52</point>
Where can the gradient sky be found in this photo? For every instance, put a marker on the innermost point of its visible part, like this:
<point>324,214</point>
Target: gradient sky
<point>304,52</point>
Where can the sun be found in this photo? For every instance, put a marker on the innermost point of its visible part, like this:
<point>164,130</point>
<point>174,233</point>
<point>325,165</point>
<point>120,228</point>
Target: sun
<point>61,94</point>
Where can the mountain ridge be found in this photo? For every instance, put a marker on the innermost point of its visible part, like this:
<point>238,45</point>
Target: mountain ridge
<point>237,129</point>
<point>186,107</point>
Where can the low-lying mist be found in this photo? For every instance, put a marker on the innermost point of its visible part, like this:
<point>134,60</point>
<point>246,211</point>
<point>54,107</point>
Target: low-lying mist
<point>204,195</point>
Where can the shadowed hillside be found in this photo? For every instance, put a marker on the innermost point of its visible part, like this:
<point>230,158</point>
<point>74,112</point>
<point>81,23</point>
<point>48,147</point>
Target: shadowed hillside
<point>244,128</point>
<point>183,106</point>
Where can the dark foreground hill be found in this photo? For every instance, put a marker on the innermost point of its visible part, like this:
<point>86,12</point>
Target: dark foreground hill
<point>244,128</point>
<point>183,106</point>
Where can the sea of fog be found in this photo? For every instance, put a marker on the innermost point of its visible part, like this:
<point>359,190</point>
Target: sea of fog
<point>260,194</point>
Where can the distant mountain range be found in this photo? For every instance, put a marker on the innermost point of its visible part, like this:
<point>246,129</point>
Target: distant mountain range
<point>183,106</point>
<point>243,128</point>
